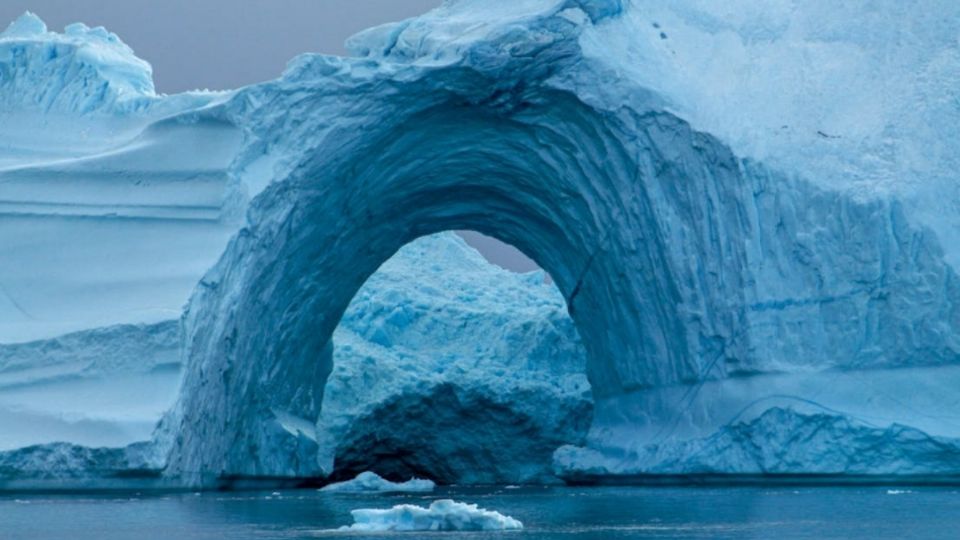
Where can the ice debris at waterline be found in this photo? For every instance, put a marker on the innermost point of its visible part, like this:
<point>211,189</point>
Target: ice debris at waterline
<point>368,481</point>
<point>441,515</point>
<point>744,211</point>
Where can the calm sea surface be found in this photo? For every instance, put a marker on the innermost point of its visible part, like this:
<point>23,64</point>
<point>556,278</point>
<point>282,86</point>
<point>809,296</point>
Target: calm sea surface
<point>547,513</point>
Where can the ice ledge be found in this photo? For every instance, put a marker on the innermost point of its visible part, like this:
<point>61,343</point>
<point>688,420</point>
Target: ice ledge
<point>781,441</point>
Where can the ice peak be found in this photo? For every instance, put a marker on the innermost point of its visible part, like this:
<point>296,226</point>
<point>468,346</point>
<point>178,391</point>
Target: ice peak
<point>28,24</point>
<point>52,71</point>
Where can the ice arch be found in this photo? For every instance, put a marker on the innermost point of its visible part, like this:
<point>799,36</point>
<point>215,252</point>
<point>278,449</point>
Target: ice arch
<point>539,170</point>
<point>681,264</point>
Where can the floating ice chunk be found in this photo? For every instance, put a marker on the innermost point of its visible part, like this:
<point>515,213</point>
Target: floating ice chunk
<point>442,515</point>
<point>370,481</point>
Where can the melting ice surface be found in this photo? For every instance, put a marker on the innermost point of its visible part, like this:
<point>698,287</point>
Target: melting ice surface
<point>441,515</point>
<point>368,481</point>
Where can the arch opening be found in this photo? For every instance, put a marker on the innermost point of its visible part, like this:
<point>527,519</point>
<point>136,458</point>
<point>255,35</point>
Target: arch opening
<point>448,367</point>
<point>550,177</point>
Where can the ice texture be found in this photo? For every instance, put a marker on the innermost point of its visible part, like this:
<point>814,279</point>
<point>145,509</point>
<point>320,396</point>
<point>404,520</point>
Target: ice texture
<point>100,387</point>
<point>369,481</point>
<point>749,209</point>
<point>58,465</point>
<point>704,283</point>
<point>779,441</point>
<point>79,71</point>
<point>441,515</point>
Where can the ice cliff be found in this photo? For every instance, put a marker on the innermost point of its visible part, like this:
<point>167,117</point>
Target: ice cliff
<point>749,209</point>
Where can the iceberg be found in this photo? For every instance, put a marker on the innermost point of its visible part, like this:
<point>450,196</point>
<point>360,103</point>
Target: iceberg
<point>706,277</point>
<point>441,515</point>
<point>368,481</point>
<point>749,211</point>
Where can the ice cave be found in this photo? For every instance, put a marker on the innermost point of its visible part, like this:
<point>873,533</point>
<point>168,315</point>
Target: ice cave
<point>753,267</point>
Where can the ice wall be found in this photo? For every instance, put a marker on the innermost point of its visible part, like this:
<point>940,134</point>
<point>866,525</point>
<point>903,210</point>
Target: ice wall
<point>113,200</point>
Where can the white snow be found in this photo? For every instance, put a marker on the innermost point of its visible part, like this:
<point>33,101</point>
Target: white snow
<point>441,515</point>
<point>368,481</point>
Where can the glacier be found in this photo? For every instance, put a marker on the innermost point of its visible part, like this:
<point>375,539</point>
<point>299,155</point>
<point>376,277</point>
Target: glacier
<point>748,210</point>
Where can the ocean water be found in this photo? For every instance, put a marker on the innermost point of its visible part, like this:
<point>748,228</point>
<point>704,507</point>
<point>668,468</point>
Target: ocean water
<point>547,513</point>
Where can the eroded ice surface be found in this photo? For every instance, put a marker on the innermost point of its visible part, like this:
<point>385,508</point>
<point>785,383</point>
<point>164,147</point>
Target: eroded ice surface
<point>101,387</point>
<point>111,205</point>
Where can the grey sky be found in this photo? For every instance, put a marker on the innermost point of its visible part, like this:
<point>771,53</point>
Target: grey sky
<point>221,44</point>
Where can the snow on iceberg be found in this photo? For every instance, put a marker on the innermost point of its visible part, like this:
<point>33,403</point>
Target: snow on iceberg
<point>441,515</point>
<point>368,481</point>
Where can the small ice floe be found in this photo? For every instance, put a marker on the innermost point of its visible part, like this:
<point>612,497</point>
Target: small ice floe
<point>371,482</point>
<point>441,515</point>
<point>898,491</point>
